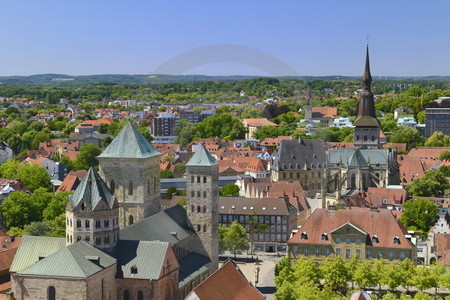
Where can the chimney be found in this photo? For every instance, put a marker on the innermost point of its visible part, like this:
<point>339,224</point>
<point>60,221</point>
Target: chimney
<point>174,234</point>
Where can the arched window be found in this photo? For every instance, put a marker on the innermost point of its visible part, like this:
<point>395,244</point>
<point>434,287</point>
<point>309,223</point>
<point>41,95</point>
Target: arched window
<point>71,239</point>
<point>82,206</point>
<point>204,208</point>
<point>112,186</point>
<point>198,194</point>
<point>140,295</point>
<point>204,194</point>
<point>204,179</point>
<point>130,219</point>
<point>192,193</point>
<point>130,188</point>
<point>51,293</point>
<point>199,228</point>
<point>87,223</point>
<point>192,208</point>
<point>98,241</point>
<point>198,179</point>
<point>192,179</point>
<point>87,238</point>
<point>204,228</point>
<point>198,208</point>
<point>126,295</point>
<point>353,181</point>
<point>67,236</point>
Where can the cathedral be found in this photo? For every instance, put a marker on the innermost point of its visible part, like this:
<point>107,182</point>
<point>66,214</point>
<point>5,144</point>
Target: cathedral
<point>353,170</point>
<point>118,243</point>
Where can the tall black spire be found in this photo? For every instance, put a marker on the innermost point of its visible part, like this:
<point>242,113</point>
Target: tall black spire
<point>366,107</point>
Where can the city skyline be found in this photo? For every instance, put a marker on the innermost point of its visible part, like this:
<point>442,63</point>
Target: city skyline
<point>306,38</point>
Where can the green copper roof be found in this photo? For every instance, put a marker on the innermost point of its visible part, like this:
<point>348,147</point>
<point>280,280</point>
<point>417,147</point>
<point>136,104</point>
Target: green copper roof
<point>91,191</point>
<point>31,247</point>
<point>202,158</point>
<point>79,260</point>
<point>129,143</point>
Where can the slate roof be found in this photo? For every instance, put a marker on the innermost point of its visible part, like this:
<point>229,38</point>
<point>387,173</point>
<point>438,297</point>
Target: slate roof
<point>253,206</point>
<point>129,143</point>
<point>147,256</point>
<point>358,157</point>
<point>294,154</point>
<point>71,261</point>
<point>226,283</point>
<point>192,265</point>
<point>159,227</point>
<point>202,158</point>
<point>31,247</point>
<point>91,191</point>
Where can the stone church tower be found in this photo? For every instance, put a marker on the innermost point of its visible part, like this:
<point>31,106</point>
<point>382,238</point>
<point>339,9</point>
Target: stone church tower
<point>308,104</point>
<point>130,167</point>
<point>92,213</point>
<point>367,131</point>
<point>202,187</point>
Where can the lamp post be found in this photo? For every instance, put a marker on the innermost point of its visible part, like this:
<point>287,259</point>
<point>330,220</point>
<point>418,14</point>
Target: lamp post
<point>256,275</point>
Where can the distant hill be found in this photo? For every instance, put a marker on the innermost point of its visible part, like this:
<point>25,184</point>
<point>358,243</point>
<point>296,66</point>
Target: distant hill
<point>61,79</point>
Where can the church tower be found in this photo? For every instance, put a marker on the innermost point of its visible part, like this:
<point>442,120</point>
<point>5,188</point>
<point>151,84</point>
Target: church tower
<point>308,105</point>
<point>202,187</point>
<point>367,131</point>
<point>92,213</point>
<point>130,167</point>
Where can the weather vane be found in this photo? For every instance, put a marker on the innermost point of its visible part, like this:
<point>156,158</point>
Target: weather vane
<point>367,38</point>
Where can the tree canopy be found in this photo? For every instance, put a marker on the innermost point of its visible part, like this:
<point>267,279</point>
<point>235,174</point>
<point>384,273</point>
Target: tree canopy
<point>420,213</point>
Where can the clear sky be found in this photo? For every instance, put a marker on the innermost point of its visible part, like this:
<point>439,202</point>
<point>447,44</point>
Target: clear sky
<point>313,37</point>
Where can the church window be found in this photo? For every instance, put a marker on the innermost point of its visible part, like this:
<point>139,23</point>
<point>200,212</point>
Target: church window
<point>140,295</point>
<point>204,208</point>
<point>204,179</point>
<point>130,220</point>
<point>70,221</point>
<point>70,239</point>
<point>198,208</point>
<point>126,295</point>
<point>130,188</point>
<point>97,224</point>
<point>204,228</point>
<point>87,223</point>
<point>373,138</point>
<point>97,241</point>
<point>106,239</point>
<point>204,194</point>
<point>78,238</point>
<point>67,237</point>
<point>192,179</point>
<point>365,138</point>
<point>51,293</point>
<point>353,181</point>
<point>357,137</point>
<point>199,228</point>
<point>198,194</point>
<point>192,208</point>
<point>106,223</point>
<point>87,238</point>
<point>82,206</point>
<point>192,193</point>
<point>148,186</point>
<point>198,179</point>
<point>112,186</point>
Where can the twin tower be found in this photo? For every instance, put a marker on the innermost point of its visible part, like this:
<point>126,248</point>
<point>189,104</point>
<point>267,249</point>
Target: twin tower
<point>127,190</point>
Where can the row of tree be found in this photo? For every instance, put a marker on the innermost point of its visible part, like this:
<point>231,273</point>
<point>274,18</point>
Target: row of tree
<point>332,278</point>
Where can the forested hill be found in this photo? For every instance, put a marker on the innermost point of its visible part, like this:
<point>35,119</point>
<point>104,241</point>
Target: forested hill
<point>61,79</point>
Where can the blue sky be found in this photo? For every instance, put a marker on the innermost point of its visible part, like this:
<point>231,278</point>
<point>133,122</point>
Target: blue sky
<point>314,37</point>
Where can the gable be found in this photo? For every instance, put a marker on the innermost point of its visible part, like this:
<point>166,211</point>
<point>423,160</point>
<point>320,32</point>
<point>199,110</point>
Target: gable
<point>348,229</point>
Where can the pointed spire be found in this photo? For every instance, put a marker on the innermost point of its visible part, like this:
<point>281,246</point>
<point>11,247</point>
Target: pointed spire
<point>129,143</point>
<point>202,158</point>
<point>91,191</point>
<point>367,77</point>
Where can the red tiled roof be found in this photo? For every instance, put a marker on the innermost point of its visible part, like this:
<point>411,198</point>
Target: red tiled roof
<point>69,184</point>
<point>227,283</point>
<point>324,112</point>
<point>398,146</point>
<point>411,168</point>
<point>258,122</point>
<point>99,121</point>
<point>442,243</point>
<point>380,223</point>
<point>445,259</point>
<point>392,196</point>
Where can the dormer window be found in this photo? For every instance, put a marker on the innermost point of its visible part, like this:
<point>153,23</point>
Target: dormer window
<point>134,269</point>
<point>396,240</point>
<point>303,236</point>
<point>324,237</point>
<point>375,239</point>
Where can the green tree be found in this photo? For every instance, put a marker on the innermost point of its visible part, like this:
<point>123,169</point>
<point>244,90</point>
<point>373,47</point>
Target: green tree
<point>408,271</point>
<point>364,275</point>
<point>256,228</point>
<point>352,265</point>
<point>236,238</point>
<point>420,213</point>
<point>444,155</point>
<point>222,125</point>
<point>87,157</point>
<point>166,174</point>
<point>410,136</point>
<point>334,272</point>
<point>392,276</point>
<point>438,139</point>
<point>432,184</point>
<point>19,210</point>
<point>229,190</point>
<point>425,278</point>
<point>306,270</point>
<point>38,229</point>
<point>34,177</point>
